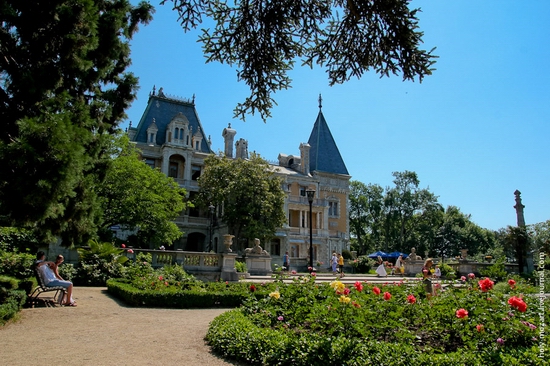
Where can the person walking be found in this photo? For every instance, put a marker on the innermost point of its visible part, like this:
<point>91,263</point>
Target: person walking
<point>399,265</point>
<point>286,261</point>
<point>341,264</point>
<point>427,277</point>
<point>334,262</point>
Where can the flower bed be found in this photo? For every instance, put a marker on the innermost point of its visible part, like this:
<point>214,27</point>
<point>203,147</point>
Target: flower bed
<point>305,323</point>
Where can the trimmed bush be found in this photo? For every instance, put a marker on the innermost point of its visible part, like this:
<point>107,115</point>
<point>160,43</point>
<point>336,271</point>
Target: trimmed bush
<point>198,295</point>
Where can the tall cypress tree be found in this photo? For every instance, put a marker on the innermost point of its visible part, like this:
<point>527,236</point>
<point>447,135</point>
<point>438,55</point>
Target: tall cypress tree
<point>63,90</point>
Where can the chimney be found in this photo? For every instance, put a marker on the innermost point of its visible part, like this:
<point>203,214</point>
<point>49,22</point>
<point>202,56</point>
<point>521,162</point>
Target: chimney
<point>242,149</point>
<point>229,136</point>
<point>304,158</point>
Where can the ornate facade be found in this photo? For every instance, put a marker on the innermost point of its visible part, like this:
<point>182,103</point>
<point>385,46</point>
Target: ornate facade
<point>171,138</point>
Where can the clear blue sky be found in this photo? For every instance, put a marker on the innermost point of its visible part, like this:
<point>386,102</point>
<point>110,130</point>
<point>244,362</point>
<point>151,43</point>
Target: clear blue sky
<point>474,131</point>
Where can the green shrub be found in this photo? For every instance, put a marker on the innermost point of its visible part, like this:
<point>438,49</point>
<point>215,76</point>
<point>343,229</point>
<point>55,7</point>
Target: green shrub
<point>98,263</point>
<point>241,267</point>
<point>16,265</point>
<point>362,264</point>
<point>12,304</point>
<point>497,271</point>
<point>67,271</point>
<point>197,296</point>
<point>17,239</point>
<point>308,323</point>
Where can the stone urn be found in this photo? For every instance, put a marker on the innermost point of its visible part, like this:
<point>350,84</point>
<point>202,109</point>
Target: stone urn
<point>227,241</point>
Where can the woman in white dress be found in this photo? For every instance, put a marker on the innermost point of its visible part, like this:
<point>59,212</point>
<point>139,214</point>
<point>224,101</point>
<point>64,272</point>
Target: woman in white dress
<point>381,270</point>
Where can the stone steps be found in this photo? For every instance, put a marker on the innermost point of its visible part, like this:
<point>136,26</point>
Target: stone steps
<point>326,277</point>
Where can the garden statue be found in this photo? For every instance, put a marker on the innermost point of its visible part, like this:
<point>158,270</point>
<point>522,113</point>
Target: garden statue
<point>413,256</point>
<point>257,249</point>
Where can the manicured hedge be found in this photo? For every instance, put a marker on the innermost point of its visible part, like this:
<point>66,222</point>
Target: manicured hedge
<point>12,298</point>
<point>174,298</point>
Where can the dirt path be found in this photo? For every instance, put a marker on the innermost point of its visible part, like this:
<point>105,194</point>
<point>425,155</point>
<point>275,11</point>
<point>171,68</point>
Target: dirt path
<point>103,331</point>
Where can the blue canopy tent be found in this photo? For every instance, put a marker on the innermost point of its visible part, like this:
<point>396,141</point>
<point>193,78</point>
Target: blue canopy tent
<point>396,255</point>
<point>377,254</point>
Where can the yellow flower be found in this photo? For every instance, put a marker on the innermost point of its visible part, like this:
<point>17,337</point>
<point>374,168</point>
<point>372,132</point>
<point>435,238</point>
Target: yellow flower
<point>275,295</point>
<point>344,299</point>
<point>337,285</point>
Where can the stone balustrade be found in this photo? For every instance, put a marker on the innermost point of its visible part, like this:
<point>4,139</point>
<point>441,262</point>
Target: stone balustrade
<point>204,266</point>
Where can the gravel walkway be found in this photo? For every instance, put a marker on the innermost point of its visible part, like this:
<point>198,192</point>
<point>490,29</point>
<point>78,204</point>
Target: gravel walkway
<point>103,331</point>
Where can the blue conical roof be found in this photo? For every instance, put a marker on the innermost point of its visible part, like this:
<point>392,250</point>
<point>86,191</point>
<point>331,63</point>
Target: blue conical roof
<point>324,154</point>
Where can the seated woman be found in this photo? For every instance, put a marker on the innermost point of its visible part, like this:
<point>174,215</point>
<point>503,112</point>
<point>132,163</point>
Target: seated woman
<point>50,280</point>
<point>58,260</point>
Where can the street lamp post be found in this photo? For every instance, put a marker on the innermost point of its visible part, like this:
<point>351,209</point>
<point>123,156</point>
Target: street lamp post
<point>310,195</point>
<point>211,210</point>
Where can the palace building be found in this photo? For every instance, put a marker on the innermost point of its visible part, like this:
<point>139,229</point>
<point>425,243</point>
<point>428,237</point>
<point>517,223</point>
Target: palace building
<point>171,138</point>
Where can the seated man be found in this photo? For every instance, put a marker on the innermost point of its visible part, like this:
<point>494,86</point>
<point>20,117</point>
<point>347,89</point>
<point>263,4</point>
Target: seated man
<point>50,280</point>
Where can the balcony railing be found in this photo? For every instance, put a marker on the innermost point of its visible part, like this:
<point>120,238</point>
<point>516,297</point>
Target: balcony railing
<point>318,202</point>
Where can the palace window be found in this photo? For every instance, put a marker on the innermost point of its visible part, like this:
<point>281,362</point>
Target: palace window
<point>173,170</point>
<point>195,172</point>
<point>275,247</point>
<point>333,209</point>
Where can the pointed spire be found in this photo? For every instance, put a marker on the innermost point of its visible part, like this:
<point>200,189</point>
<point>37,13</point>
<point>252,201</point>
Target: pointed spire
<point>324,154</point>
<point>320,101</point>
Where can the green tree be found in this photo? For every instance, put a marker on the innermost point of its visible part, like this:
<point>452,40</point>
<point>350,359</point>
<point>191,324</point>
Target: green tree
<point>135,196</point>
<point>365,216</point>
<point>63,90</point>
<point>402,204</point>
<point>457,231</point>
<point>265,38</point>
<point>249,195</point>
<point>540,234</point>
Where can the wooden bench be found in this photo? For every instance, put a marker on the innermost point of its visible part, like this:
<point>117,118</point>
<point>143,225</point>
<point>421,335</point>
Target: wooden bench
<point>42,288</point>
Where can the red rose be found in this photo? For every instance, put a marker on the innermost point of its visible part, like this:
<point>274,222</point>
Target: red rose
<point>511,282</point>
<point>518,303</point>
<point>376,290</point>
<point>485,284</point>
<point>411,299</point>
<point>358,286</point>
<point>462,313</point>
<point>387,296</point>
